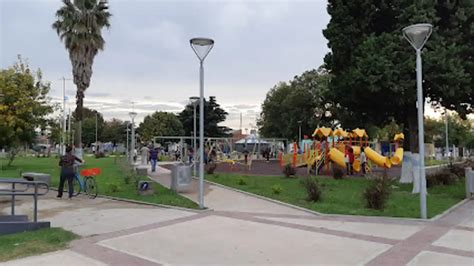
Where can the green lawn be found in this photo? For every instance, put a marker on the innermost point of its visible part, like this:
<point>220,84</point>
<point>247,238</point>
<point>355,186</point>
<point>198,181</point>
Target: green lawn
<point>345,196</point>
<point>25,244</point>
<point>110,182</point>
<point>431,162</point>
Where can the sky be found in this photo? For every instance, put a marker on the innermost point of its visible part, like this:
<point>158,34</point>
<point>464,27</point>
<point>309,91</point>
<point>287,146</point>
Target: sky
<point>148,65</point>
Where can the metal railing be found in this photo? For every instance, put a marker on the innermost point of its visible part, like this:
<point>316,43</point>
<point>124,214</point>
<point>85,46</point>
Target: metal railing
<point>21,187</point>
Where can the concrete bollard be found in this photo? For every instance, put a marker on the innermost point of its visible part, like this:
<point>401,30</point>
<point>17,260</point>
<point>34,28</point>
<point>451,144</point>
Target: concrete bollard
<point>469,174</point>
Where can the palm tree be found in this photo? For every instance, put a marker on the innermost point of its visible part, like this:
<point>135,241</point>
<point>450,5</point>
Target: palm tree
<point>79,24</point>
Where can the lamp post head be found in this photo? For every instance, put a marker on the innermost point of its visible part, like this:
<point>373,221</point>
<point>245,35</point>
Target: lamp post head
<point>417,34</point>
<point>194,100</point>
<point>132,115</point>
<point>201,47</point>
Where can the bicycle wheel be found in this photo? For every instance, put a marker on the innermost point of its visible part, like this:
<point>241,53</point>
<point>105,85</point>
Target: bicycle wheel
<point>91,187</point>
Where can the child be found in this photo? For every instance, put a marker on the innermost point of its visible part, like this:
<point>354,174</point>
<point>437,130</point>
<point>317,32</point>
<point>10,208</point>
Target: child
<point>363,160</point>
<point>351,160</point>
<point>346,160</point>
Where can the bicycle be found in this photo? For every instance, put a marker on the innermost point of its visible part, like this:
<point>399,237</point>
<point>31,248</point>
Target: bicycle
<point>84,181</point>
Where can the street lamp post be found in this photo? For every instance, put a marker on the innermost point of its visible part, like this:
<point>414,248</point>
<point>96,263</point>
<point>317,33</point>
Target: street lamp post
<point>194,101</point>
<point>127,152</point>
<point>96,149</point>
<point>299,132</point>
<point>201,47</point>
<point>132,144</point>
<point>447,143</point>
<point>417,35</point>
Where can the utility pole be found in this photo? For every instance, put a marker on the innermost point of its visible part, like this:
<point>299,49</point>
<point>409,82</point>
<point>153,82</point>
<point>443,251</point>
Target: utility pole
<point>96,147</point>
<point>63,135</point>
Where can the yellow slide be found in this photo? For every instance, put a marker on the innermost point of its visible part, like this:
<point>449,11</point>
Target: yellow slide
<point>378,159</point>
<point>397,158</point>
<point>337,157</point>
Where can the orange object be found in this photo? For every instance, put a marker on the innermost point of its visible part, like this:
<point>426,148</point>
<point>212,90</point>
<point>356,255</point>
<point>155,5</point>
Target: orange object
<point>91,172</point>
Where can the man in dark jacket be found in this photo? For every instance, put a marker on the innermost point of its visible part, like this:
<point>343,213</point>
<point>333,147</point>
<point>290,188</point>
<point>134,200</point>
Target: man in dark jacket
<point>67,171</point>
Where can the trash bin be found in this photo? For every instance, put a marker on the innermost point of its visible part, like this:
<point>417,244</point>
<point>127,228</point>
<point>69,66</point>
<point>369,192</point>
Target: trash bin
<point>180,177</point>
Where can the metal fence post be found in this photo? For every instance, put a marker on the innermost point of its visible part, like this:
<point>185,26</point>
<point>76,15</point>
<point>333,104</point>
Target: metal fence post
<point>36,203</point>
<point>13,199</point>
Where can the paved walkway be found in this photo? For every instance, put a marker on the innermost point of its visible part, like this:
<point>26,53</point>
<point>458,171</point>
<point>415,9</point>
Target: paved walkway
<point>247,230</point>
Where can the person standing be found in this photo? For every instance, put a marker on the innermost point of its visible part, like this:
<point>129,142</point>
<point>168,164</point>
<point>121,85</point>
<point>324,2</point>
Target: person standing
<point>363,160</point>
<point>67,171</point>
<point>351,160</point>
<point>346,160</point>
<point>153,158</point>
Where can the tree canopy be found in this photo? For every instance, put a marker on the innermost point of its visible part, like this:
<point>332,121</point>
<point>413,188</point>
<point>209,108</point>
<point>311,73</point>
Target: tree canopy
<point>114,131</point>
<point>301,99</point>
<point>373,67</point>
<point>89,125</point>
<point>213,115</point>
<point>160,124</point>
<point>24,105</point>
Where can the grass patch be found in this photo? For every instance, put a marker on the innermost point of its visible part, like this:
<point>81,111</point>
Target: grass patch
<point>25,244</point>
<point>111,177</point>
<point>431,162</point>
<point>345,196</point>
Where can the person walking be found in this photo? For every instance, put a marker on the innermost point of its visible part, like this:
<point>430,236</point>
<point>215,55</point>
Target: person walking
<point>363,160</point>
<point>67,171</point>
<point>153,158</point>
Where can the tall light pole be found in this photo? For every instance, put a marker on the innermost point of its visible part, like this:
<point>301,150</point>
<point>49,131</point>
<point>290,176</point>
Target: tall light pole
<point>63,138</point>
<point>447,142</point>
<point>299,132</point>
<point>127,151</point>
<point>194,101</point>
<point>132,144</point>
<point>201,47</point>
<point>96,148</point>
<point>417,35</point>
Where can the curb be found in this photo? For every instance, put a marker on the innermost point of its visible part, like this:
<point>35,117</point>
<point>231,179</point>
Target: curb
<point>265,198</point>
<point>448,211</point>
<point>340,215</point>
<point>148,203</point>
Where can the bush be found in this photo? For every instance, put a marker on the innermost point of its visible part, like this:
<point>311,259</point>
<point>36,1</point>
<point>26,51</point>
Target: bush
<point>99,155</point>
<point>377,193</point>
<point>312,187</point>
<point>127,178</point>
<point>337,173</point>
<point>443,177</point>
<point>242,182</point>
<point>457,169</point>
<point>289,170</point>
<point>277,189</point>
<point>210,168</point>
<point>114,187</point>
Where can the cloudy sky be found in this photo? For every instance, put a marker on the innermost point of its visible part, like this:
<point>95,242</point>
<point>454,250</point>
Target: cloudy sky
<point>148,61</point>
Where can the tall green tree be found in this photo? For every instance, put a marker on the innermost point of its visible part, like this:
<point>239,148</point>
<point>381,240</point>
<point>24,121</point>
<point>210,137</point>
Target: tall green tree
<point>301,99</point>
<point>114,131</point>
<point>374,67</point>
<point>213,116</point>
<point>89,125</point>
<point>79,24</point>
<point>24,106</point>
<point>160,124</point>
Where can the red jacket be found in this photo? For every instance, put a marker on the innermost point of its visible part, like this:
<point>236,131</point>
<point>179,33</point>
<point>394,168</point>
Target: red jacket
<point>351,157</point>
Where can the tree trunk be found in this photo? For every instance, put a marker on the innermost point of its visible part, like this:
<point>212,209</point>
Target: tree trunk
<point>410,130</point>
<point>79,117</point>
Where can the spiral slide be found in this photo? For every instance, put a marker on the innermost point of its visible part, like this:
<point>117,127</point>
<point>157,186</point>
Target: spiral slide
<point>337,157</point>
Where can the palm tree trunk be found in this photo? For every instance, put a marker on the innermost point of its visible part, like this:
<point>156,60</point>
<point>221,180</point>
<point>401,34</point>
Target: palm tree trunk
<point>79,117</point>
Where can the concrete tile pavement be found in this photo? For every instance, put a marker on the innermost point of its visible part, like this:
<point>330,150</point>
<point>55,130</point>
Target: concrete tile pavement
<point>242,229</point>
